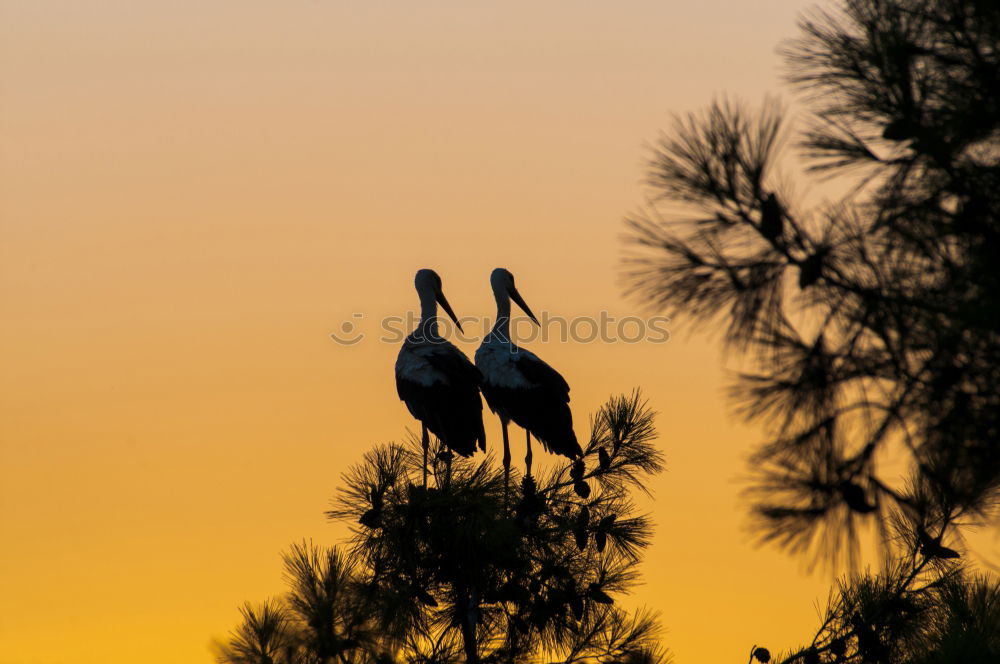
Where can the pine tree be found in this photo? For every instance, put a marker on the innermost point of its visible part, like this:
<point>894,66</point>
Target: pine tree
<point>870,326</point>
<point>463,570</point>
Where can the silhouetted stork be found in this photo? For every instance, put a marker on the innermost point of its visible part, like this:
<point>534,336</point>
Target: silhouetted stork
<point>521,387</point>
<point>436,381</point>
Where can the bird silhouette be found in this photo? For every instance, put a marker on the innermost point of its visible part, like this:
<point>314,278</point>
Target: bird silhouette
<point>436,381</point>
<point>520,387</point>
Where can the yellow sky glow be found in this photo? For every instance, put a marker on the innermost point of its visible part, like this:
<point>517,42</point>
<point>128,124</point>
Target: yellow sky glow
<point>194,195</point>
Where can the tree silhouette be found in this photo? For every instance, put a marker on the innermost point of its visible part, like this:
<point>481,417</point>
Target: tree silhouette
<point>458,570</point>
<point>263,637</point>
<point>870,326</point>
<point>321,619</point>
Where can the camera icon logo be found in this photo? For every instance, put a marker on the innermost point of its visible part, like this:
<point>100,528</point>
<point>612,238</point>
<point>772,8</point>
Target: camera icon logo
<point>349,333</point>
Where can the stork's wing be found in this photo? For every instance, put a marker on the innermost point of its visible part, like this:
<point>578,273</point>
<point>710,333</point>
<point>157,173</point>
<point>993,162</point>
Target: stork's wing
<point>450,406</point>
<point>453,363</point>
<point>540,374</point>
<point>540,404</point>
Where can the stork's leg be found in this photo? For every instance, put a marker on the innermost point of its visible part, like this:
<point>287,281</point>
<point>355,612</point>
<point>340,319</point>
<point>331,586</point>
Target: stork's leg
<point>506,460</point>
<point>527,457</point>
<point>427,443</point>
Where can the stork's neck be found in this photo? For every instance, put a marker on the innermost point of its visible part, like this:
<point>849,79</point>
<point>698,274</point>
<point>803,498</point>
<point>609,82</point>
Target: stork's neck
<point>501,328</point>
<point>428,313</point>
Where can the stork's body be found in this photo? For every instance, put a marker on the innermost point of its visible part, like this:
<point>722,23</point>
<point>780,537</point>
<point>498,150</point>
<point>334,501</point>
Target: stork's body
<point>520,387</point>
<point>436,381</point>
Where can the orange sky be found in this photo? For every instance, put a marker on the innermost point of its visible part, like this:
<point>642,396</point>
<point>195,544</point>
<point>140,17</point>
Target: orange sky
<point>195,194</point>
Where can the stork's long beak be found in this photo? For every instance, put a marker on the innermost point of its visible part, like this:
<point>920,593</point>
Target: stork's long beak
<point>514,295</point>
<point>443,301</point>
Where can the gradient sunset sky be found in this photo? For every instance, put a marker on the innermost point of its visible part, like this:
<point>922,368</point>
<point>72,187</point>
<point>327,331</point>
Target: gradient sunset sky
<point>194,195</point>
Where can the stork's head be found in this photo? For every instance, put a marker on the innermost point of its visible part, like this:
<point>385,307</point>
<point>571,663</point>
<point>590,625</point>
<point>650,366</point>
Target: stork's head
<point>428,284</point>
<point>427,280</point>
<point>502,282</point>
